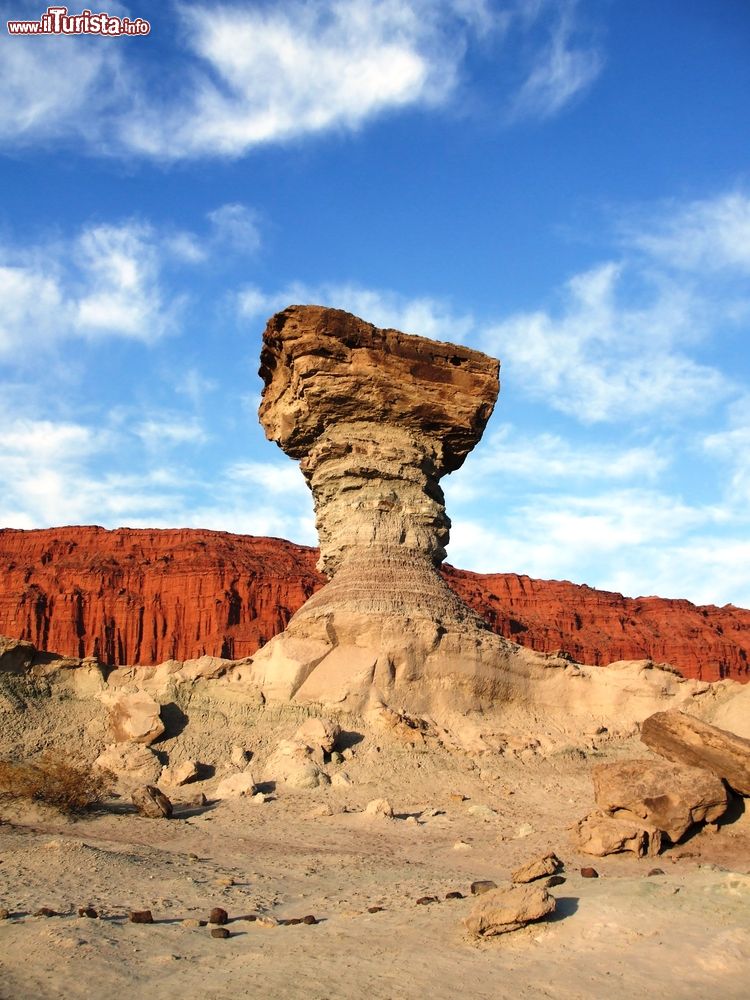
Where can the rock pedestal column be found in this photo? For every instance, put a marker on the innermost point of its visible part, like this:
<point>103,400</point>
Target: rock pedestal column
<point>375,419</point>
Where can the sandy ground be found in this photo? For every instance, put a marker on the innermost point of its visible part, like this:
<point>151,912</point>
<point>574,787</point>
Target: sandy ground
<point>682,934</point>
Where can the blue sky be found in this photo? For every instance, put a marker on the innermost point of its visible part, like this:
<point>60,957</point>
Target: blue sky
<point>562,184</point>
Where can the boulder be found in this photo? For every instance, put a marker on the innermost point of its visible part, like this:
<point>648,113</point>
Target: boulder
<point>600,835</point>
<point>236,786</point>
<point>180,774</point>
<point>379,807</point>
<point>668,797</point>
<point>133,717</point>
<point>292,763</point>
<point>504,910</point>
<point>133,764</point>
<point>318,732</point>
<point>152,803</point>
<point>685,740</point>
<point>548,864</point>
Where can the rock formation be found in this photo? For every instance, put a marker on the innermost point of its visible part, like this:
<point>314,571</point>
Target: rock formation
<point>148,595</point>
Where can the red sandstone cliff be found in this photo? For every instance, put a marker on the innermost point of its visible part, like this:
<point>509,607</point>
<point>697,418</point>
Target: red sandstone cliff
<point>148,595</point>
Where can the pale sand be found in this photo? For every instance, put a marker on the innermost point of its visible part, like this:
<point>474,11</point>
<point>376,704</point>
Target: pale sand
<point>685,934</point>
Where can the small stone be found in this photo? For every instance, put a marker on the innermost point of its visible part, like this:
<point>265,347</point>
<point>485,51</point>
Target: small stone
<point>140,917</point>
<point>181,774</point>
<point>375,909</point>
<point>260,798</point>
<point>412,821</point>
<point>152,803</point>
<point>239,756</point>
<point>309,919</point>
<point>236,785</point>
<point>655,871</point>
<point>524,830</point>
<point>481,886</point>
<point>197,801</point>
<point>218,916</point>
<point>553,880</point>
<point>4,914</point>
<point>267,921</point>
<point>454,895</point>
<point>321,810</point>
<point>226,882</point>
<point>193,922</point>
<point>379,807</point>
<point>426,900</point>
<point>589,873</point>
<point>341,780</point>
<point>220,932</point>
<point>45,911</point>
<point>483,812</point>
<point>457,797</point>
<point>87,911</point>
<point>461,845</point>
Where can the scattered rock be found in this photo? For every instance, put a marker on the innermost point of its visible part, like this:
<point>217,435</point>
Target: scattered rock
<point>45,911</point>
<point>426,900</point>
<point>481,886</point>
<point>375,909</point>
<point>524,830</point>
<point>133,764</point>
<point>133,717</point>
<point>4,914</point>
<point>685,740</point>
<point>266,921</point>
<point>589,873</point>
<point>218,916</point>
<point>319,733</point>
<point>484,812</point>
<point>322,810</point>
<point>461,845</point>
<point>293,764</point>
<point>236,786</point>
<point>87,911</point>
<point>197,801</point>
<point>411,821</point>
<point>140,917</point>
<point>548,864</point>
<point>220,932</point>
<point>457,797</point>
<point>668,797</point>
<point>600,835</point>
<point>152,803</point>
<point>309,919</point>
<point>260,798</point>
<point>193,922</point>
<point>181,774</point>
<point>655,871</point>
<point>504,910</point>
<point>431,813</point>
<point>239,756</point>
<point>552,881</point>
<point>379,807</point>
<point>454,895</point>
<point>341,779</point>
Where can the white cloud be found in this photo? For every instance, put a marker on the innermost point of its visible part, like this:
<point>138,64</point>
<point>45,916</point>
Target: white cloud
<point>506,457</point>
<point>249,75</point>
<point>706,235</point>
<point>107,281</point>
<point>561,70</point>
<point>280,480</point>
<point>426,316</point>
<point>169,430</point>
<point>604,360</point>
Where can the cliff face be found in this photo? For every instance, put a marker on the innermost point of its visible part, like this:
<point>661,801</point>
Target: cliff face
<point>147,595</point>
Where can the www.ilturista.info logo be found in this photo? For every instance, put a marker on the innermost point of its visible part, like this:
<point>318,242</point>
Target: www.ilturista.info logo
<point>57,21</point>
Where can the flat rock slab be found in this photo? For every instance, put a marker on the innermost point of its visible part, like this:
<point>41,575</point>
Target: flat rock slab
<point>668,797</point>
<point>686,740</point>
<point>503,910</point>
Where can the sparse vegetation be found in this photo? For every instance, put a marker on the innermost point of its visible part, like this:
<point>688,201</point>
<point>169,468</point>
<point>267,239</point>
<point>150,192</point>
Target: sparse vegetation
<point>70,788</point>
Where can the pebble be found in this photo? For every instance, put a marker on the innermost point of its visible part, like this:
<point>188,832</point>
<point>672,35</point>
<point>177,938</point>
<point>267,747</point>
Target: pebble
<point>45,911</point>
<point>193,922</point>
<point>656,871</point>
<point>461,845</point>
<point>426,900</point>
<point>375,909</point>
<point>589,873</point>
<point>454,895</point>
<point>482,886</point>
<point>309,919</point>
<point>87,911</point>
<point>219,932</point>
<point>4,914</point>
<point>140,917</point>
<point>218,916</point>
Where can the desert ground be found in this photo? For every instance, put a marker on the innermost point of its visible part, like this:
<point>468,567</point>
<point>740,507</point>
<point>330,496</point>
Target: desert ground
<point>458,817</point>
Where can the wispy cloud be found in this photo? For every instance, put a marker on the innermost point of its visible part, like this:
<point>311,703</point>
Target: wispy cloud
<point>562,68</point>
<point>250,75</point>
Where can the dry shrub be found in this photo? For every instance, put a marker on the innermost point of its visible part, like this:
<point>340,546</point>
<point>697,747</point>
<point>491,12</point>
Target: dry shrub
<point>67,787</point>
